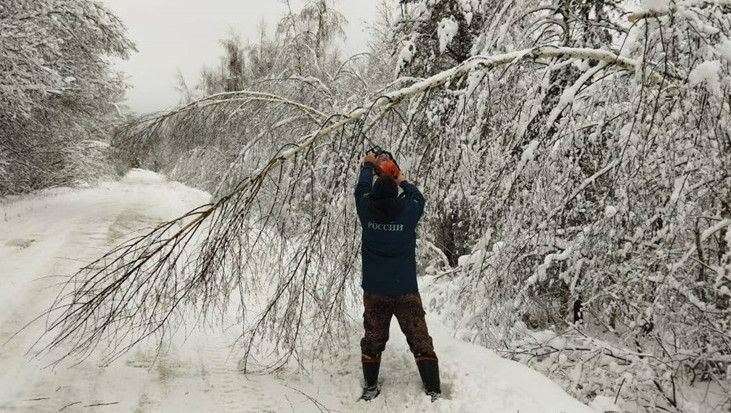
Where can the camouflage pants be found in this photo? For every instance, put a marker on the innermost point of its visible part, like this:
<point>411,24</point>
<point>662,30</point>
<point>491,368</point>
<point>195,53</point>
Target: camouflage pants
<point>409,312</point>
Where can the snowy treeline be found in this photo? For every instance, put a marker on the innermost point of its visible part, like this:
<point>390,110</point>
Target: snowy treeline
<point>573,181</point>
<point>57,91</point>
<point>575,157</point>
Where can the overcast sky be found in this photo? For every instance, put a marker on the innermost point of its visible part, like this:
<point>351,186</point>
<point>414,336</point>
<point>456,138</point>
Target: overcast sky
<point>185,34</point>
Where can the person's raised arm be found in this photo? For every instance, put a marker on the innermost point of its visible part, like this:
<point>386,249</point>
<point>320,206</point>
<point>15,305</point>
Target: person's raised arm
<point>365,180</point>
<point>412,193</point>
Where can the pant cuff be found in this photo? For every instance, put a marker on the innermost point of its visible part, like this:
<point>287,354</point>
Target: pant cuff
<point>426,356</point>
<point>366,358</point>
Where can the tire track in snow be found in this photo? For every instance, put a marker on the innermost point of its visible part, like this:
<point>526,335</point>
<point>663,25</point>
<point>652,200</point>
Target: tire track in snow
<point>43,237</point>
<point>234,391</point>
<point>35,269</point>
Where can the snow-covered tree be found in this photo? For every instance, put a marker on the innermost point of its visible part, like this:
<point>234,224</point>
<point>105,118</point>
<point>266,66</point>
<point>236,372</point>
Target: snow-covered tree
<point>260,95</point>
<point>57,89</point>
<point>572,183</point>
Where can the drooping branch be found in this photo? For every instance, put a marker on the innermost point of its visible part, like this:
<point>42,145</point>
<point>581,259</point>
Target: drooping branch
<point>238,96</point>
<point>477,63</point>
<point>143,287</point>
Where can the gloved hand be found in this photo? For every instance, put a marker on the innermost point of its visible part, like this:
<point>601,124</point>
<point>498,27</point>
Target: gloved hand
<point>371,157</point>
<point>399,179</point>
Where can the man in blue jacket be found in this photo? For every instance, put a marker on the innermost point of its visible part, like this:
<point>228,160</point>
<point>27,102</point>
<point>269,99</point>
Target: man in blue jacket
<point>389,275</point>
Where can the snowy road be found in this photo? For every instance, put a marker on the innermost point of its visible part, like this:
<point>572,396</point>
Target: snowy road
<point>52,234</point>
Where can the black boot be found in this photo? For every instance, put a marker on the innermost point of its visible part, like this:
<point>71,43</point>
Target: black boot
<point>371,365</point>
<point>429,372</point>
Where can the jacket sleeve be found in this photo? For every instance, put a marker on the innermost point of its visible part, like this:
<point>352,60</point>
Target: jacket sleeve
<point>412,194</point>
<point>363,188</point>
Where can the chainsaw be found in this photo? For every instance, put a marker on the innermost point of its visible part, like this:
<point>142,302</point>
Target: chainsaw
<point>385,164</point>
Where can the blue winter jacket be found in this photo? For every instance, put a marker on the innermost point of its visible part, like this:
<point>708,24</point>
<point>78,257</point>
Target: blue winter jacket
<point>389,246</point>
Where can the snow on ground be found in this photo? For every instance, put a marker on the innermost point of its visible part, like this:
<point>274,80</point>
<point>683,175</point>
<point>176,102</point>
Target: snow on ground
<point>53,233</point>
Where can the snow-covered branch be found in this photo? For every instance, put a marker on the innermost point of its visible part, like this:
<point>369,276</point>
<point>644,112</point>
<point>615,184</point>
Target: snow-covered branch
<point>672,7</point>
<point>720,226</point>
<point>476,63</point>
<point>228,97</point>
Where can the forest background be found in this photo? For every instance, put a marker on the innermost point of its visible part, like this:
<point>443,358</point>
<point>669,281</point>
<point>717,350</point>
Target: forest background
<point>575,155</point>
